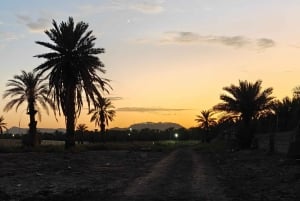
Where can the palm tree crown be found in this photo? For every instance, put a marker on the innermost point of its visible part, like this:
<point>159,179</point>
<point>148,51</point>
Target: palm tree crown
<point>2,124</point>
<point>72,68</point>
<point>82,128</point>
<point>246,100</point>
<point>28,88</point>
<point>103,113</point>
<point>206,119</point>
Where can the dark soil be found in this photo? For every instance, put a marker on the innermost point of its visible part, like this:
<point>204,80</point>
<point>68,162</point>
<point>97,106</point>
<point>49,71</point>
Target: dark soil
<point>258,176</point>
<point>183,174</point>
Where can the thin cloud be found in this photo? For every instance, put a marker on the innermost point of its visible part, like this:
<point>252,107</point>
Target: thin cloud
<point>115,98</point>
<point>265,43</point>
<point>37,25</point>
<point>7,36</point>
<point>235,41</point>
<point>146,6</point>
<point>148,109</point>
<point>182,37</point>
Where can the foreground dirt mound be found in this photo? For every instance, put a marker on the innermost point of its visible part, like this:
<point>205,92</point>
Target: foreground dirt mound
<point>257,176</point>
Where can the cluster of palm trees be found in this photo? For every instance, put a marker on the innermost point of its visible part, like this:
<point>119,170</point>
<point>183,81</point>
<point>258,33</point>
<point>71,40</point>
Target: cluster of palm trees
<point>67,78</point>
<point>246,104</point>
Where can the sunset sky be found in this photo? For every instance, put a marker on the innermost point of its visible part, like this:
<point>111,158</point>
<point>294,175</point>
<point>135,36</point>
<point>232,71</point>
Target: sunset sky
<point>167,59</point>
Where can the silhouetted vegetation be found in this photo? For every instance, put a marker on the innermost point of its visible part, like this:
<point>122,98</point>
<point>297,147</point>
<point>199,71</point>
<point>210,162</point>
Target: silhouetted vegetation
<point>28,88</point>
<point>247,102</point>
<point>72,68</point>
<point>2,124</point>
<point>103,113</point>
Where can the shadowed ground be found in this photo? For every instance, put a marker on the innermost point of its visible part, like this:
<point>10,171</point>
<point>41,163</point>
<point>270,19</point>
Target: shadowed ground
<point>183,174</point>
<point>108,175</point>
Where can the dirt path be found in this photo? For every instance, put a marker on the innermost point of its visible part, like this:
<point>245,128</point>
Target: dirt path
<point>108,175</point>
<point>181,175</point>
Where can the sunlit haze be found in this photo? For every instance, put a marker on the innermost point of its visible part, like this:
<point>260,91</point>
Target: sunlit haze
<point>167,59</point>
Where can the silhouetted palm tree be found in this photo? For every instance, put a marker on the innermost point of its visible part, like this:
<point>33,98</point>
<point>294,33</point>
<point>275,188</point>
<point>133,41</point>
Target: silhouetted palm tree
<point>206,119</point>
<point>72,68</point>
<point>28,88</point>
<point>81,129</point>
<point>2,124</point>
<point>103,113</point>
<point>248,101</point>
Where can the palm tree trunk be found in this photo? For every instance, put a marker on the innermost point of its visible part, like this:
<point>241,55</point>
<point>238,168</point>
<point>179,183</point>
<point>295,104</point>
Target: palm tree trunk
<point>33,138</point>
<point>70,120</point>
<point>102,125</point>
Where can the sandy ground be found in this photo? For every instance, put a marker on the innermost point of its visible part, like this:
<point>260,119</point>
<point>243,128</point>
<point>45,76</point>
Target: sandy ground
<point>183,174</point>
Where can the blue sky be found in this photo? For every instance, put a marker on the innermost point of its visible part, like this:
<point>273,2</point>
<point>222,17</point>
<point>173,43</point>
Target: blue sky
<point>167,59</point>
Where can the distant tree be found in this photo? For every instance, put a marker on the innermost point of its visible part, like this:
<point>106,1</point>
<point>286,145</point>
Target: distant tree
<point>103,113</point>
<point>74,68</point>
<point>248,101</point>
<point>81,129</point>
<point>2,124</point>
<point>206,121</point>
<point>31,89</point>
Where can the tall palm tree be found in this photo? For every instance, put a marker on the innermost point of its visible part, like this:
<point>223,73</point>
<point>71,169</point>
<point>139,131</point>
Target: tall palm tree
<point>81,129</point>
<point>103,113</point>
<point>248,101</point>
<point>72,68</point>
<point>31,89</point>
<point>2,124</point>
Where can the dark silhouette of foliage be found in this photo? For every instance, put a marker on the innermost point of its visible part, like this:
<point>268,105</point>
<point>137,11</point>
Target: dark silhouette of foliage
<point>206,121</point>
<point>72,68</point>
<point>2,124</point>
<point>248,101</point>
<point>81,130</point>
<point>29,88</point>
<point>103,113</point>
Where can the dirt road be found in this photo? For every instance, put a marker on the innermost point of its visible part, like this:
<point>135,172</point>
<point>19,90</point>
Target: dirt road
<point>106,175</point>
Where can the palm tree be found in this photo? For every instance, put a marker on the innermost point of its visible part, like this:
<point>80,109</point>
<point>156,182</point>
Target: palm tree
<point>81,129</point>
<point>30,88</point>
<point>248,101</point>
<point>72,68</point>
<point>103,113</point>
<point>2,124</point>
<point>206,121</point>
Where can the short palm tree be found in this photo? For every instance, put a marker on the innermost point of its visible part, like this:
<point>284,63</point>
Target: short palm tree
<point>2,125</point>
<point>206,119</point>
<point>31,89</point>
<point>103,113</point>
<point>248,101</point>
<point>72,68</point>
<point>81,129</point>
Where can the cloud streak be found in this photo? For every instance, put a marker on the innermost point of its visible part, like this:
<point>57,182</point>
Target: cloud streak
<point>149,109</point>
<point>37,25</point>
<point>181,37</point>
<point>146,6</point>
